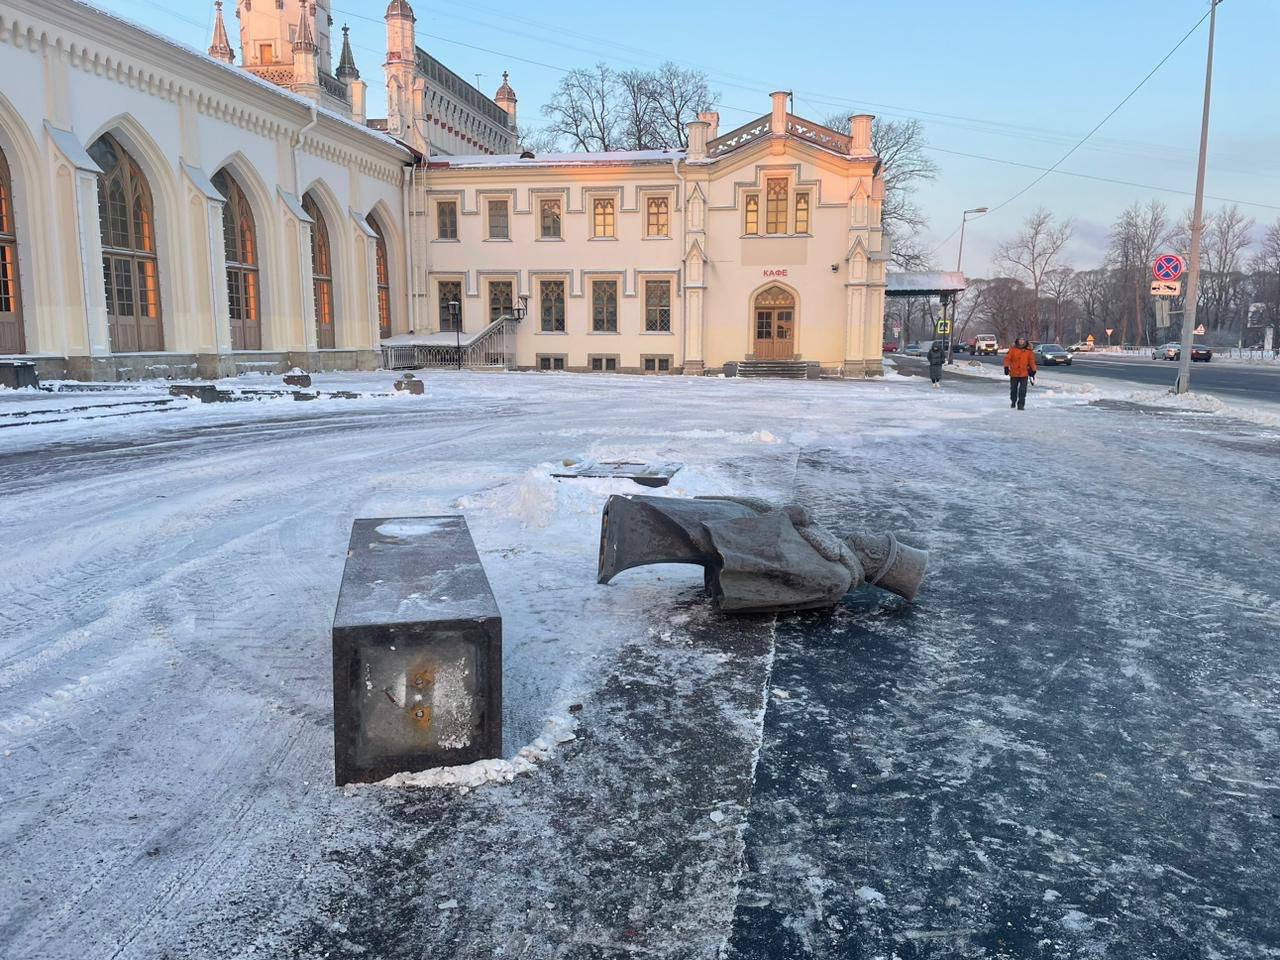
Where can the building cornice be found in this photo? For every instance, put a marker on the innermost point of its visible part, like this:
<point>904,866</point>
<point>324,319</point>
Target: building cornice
<point>160,67</point>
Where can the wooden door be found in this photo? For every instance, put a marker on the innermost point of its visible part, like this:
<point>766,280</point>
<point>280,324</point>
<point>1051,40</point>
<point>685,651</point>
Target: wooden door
<point>775,325</point>
<point>774,335</point>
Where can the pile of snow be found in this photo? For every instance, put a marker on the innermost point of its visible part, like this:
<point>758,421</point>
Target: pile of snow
<point>557,732</point>
<point>1206,403</point>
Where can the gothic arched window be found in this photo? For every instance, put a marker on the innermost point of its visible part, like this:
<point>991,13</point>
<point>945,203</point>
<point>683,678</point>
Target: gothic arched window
<point>130,271</point>
<point>383,278</point>
<point>240,239</point>
<point>321,274</point>
<point>12,338</point>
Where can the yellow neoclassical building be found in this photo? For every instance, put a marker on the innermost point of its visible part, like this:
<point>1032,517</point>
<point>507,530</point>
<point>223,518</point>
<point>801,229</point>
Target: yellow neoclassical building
<point>760,244</point>
<point>171,213</point>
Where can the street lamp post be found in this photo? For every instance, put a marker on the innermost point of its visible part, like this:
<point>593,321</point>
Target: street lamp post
<point>455,318</point>
<point>964,218</point>
<point>1197,224</point>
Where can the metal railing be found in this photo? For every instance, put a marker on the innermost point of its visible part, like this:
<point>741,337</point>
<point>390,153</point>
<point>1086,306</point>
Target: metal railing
<point>493,348</point>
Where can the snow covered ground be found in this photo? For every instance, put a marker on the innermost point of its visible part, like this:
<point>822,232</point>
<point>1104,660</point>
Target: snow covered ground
<point>677,784</point>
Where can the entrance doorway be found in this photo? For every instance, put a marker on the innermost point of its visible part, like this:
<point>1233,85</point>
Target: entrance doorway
<point>775,313</point>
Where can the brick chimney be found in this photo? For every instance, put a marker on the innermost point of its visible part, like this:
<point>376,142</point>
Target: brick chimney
<point>713,122</point>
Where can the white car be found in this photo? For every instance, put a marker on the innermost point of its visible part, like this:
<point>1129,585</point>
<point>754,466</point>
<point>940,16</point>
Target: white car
<point>985,343</point>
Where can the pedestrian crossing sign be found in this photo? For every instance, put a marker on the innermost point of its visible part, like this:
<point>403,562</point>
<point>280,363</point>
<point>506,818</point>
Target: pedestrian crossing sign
<point>943,327</point>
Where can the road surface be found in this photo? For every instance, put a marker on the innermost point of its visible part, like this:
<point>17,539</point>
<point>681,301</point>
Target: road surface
<point>1066,748</point>
<point>1237,380</point>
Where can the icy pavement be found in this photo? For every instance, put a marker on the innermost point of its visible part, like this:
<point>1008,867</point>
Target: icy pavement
<point>1067,747</point>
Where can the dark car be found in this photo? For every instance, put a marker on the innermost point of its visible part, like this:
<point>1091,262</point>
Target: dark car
<point>1200,354</point>
<point>1051,355</point>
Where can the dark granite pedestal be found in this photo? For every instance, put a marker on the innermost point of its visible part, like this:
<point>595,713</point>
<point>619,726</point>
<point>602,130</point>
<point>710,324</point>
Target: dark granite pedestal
<point>417,651</point>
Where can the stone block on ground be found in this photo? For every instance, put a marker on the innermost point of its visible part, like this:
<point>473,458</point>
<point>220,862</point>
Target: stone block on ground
<point>642,472</point>
<point>417,651</point>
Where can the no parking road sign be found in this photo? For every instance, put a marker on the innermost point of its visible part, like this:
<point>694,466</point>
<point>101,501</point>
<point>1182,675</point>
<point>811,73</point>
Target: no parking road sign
<point>1168,267</point>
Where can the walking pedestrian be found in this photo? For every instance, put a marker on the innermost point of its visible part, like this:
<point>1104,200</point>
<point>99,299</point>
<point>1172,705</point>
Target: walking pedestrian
<point>936,357</point>
<point>1019,367</point>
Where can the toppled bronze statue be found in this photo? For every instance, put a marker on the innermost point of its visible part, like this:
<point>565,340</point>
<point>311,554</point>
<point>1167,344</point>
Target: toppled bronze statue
<point>757,557</point>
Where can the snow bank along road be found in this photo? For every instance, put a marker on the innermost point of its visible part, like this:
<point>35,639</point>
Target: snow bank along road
<point>1257,382</point>
<point>1067,747</point>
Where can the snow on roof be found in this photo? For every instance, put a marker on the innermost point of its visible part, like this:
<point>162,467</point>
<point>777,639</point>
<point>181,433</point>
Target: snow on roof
<point>244,75</point>
<point>924,281</point>
<point>602,158</point>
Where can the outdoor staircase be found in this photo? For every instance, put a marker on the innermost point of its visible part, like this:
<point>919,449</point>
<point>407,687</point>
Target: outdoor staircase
<point>780,369</point>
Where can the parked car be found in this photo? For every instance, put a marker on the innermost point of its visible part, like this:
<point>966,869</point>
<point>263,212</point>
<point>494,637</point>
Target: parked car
<point>1051,355</point>
<point>985,344</point>
<point>890,346</point>
<point>917,348</point>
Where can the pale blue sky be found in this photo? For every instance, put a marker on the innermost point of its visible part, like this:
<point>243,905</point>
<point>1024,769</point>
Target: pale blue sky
<point>1014,80</point>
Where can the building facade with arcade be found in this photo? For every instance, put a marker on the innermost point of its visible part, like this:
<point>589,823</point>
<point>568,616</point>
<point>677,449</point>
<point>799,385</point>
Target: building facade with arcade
<point>165,212</point>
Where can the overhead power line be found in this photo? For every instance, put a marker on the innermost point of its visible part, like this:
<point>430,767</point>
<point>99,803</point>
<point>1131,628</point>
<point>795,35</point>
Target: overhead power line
<point>1098,126</point>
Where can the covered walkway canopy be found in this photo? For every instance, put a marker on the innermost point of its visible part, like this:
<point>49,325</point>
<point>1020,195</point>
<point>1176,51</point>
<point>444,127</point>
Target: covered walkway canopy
<point>946,285</point>
<point>924,283</point>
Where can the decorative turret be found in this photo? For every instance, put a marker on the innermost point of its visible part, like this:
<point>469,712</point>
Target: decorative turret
<point>306,56</point>
<point>506,98</point>
<point>306,41</point>
<point>399,8</point>
<point>346,63</point>
<point>406,90</point>
<point>220,49</point>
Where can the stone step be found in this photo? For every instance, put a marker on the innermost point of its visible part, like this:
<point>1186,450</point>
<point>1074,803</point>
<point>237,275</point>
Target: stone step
<point>782,369</point>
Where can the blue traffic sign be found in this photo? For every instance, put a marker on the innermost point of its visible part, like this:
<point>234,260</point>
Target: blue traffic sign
<point>1168,266</point>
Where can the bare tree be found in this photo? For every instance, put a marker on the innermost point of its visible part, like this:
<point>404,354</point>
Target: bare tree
<point>1100,294</point>
<point>1138,233</point>
<point>1266,272</point>
<point>1006,303</point>
<point>1033,253</point>
<point>538,139</point>
<point>676,96</point>
<point>969,309</point>
<point>585,109</point>
<point>1060,288</point>
<point>904,165</point>
<point>1222,271</point>
<point>641,121</point>
<point>607,109</point>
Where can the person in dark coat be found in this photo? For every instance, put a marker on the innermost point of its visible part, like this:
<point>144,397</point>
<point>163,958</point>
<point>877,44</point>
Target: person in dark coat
<point>937,356</point>
<point>1019,367</point>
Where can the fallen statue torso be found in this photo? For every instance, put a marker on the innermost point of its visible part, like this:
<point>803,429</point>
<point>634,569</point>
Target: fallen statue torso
<point>757,557</point>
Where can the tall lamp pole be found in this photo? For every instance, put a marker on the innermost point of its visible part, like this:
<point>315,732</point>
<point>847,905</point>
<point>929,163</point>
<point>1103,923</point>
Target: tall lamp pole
<point>951,341</point>
<point>1197,224</point>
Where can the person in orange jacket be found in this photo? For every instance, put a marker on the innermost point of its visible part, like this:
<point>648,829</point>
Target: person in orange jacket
<point>1019,367</point>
